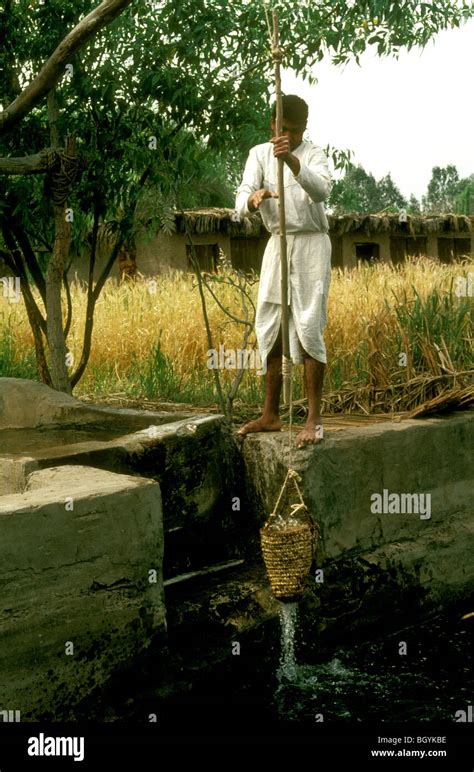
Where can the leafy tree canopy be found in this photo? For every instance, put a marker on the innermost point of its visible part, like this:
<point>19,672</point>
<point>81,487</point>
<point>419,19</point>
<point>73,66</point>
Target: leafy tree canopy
<point>447,193</point>
<point>202,66</point>
<point>359,191</point>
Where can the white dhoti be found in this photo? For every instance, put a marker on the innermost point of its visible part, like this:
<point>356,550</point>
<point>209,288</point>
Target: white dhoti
<point>309,277</point>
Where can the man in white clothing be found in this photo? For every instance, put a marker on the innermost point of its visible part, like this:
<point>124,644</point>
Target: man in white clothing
<point>307,184</point>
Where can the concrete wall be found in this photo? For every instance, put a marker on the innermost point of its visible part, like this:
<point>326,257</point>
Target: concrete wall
<point>80,575</point>
<point>434,456</point>
<point>197,465</point>
<point>75,597</point>
<point>193,457</point>
<point>28,405</point>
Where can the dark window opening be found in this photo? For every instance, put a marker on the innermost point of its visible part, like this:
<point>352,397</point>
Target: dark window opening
<point>401,248</point>
<point>337,259</point>
<point>207,256</point>
<point>368,251</point>
<point>453,249</point>
<point>247,253</point>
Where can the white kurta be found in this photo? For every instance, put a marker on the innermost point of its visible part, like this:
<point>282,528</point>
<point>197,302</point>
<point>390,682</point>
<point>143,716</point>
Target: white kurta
<point>308,248</point>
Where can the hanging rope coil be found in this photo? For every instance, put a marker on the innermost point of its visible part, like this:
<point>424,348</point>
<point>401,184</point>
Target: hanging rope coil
<point>277,54</point>
<point>64,167</point>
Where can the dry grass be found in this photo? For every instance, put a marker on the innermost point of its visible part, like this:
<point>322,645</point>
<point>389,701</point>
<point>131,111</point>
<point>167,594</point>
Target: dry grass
<point>375,315</point>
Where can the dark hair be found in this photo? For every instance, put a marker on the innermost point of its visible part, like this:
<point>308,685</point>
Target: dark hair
<point>295,109</point>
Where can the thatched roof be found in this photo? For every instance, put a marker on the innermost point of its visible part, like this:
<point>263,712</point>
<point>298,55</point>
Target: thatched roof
<point>214,220</point>
<point>416,225</point>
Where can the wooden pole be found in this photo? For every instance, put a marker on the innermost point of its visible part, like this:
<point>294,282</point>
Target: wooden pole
<point>286,361</point>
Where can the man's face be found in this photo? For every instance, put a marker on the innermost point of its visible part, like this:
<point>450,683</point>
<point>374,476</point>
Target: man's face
<point>292,130</point>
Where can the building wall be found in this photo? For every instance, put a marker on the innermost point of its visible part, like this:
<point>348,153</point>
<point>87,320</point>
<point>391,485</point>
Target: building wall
<point>393,249</point>
<point>247,253</point>
<point>166,253</point>
<point>432,245</point>
<point>454,246</point>
<point>79,269</point>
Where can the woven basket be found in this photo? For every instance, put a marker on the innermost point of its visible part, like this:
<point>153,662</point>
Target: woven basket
<point>288,555</point>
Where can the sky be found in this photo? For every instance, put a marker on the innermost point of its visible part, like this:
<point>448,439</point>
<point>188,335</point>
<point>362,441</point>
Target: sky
<point>400,116</point>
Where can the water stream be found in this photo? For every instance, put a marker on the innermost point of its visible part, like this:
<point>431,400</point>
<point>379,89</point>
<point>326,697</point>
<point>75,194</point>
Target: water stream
<point>288,670</point>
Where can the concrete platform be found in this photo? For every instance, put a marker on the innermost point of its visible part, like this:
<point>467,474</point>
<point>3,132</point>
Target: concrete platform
<point>77,599</point>
<point>26,404</point>
<point>192,456</point>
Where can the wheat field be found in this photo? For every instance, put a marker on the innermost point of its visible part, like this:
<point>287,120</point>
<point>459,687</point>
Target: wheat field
<point>385,326</point>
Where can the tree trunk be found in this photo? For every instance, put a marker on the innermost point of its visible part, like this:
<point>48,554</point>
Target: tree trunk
<point>54,317</point>
<point>54,275</point>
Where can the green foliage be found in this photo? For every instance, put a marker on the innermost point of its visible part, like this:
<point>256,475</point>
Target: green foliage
<point>414,206</point>
<point>355,192</point>
<point>440,318</point>
<point>443,189</point>
<point>156,379</point>
<point>465,199</point>
<point>359,191</point>
<point>192,75</point>
<point>341,159</point>
<point>390,197</point>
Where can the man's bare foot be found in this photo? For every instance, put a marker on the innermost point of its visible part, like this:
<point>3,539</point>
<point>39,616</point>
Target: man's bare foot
<point>262,424</point>
<point>312,434</point>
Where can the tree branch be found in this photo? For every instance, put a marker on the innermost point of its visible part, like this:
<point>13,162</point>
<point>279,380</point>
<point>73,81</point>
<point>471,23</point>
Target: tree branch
<point>91,301</point>
<point>13,260</point>
<point>67,288</point>
<point>29,257</point>
<point>52,72</point>
<point>197,269</point>
<point>30,164</point>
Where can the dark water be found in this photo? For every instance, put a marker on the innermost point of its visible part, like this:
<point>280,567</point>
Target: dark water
<point>377,681</point>
<point>422,673</point>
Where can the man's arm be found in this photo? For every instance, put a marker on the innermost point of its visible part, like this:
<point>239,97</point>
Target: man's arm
<point>250,193</point>
<point>314,177</point>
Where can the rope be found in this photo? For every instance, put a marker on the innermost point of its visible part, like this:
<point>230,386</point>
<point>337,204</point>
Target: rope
<point>287,370</point>
<point>267,18</point>
<point>63,179</point>
<point>294,476</point>
<point>64,168</point>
